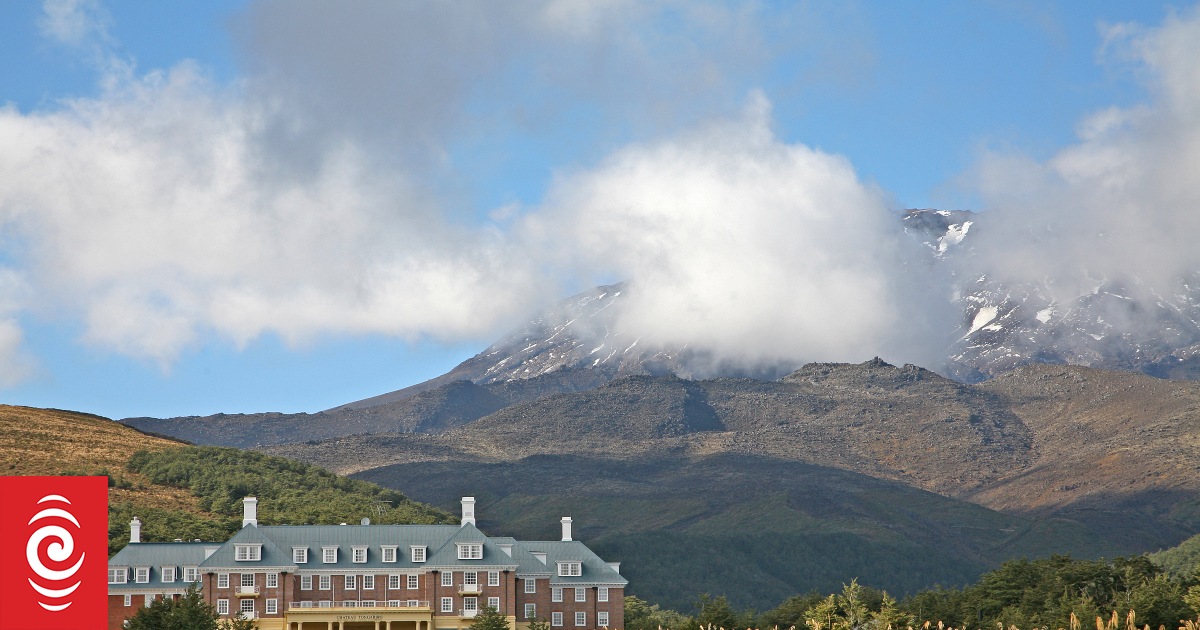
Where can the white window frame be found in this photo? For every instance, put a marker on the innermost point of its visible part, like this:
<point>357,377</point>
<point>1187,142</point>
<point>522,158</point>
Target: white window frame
<point>493,578</point>
<point>300,555</point>
<point>128,600</point>
<point>570,569</point>
<point>447,578</point>
<point>470,551</point>
<point>389,553</point>
<point>306,582</point>
<point>141,575</point>
<point>394,581</point>
<point>118,575</point>
<point>272,580</point>
<point>494,603</point>
<point>191,574</point>
<point>351,581</point>
<point>530,611</point>
<point>247,579</point>
<point>325,583</point>
<point>243,608</point>
<point>447,604</point>
<point>168,574</point>
<point>602,618</point>
<point>358,554</point>
<point>271,607</point>
<point>223,607</point>
<point>470,578</point>
<point>580,594</point>
<point>580,619</point>
<point>149,601</point>
<point>418,553</point>
<point>329,554</point>
<point>530,585</point>
<point>556,619</point>
<point>412,581</point>
<point>556,594</point>
<point>222,580</point>
<point>368,582</point>
<point>247,553</point>
<point>470,604</point>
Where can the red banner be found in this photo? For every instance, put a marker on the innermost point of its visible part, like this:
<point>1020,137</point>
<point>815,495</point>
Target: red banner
<point>53,553</point>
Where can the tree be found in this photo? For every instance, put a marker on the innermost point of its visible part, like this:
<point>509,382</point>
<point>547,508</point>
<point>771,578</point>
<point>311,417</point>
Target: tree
<point>489,619</point>
<point>189,612</point>
<point>239,623</point>
<point>640,615</point>
<point>539,624</point>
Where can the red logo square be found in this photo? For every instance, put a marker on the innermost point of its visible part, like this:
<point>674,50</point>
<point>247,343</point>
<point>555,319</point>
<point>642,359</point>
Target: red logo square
<point>53,553</point>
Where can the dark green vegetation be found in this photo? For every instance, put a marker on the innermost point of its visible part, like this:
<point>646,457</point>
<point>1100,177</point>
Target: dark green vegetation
<point>489,619</point>
<point>289,492</point>
<point>1042,593</point>
<point>189,612</point>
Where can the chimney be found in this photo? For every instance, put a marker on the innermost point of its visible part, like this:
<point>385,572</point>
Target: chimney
<point>566,527</point>
<point>468,510</point>
<point>250,511</point>
<point>135,530</point>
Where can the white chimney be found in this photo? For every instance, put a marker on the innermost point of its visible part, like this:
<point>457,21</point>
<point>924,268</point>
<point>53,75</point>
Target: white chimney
<point>250,511</point>
<point>468,510</point>
<point>566,527</point>
<point>135,530</point>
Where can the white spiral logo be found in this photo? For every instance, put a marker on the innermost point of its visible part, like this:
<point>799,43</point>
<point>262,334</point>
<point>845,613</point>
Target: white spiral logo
<point>59,551</point>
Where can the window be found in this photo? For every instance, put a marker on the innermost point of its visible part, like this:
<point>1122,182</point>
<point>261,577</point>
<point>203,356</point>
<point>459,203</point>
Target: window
<point>272,580</point>
<point>493,578</point>
<point>359,555</point>
<point>580,619</point>
<point>247,579</point>
<point>393,581</point>
<point>556,619</point>
<point>602,594</point>
<point>470,551</point>
<point>329,555</point>
<point>530,585</point>
<point>141,575</point>
<point>389,553</point>
<point>128,600</point>
<point>272,606</point>
<point>118,575</point>
<point>246,608</point>
<point>447,578</point>
<point>369,582</point>
<point>602,618</point>
<point>570,569</point>
<point>580,594</point>
<point>412,581</point>
<point>470,578</point>
<point>300,555</point>
<point>306,582</point>
<point>470,604</point>
<point>325,582</point>
<point>149,600</point>
<point>222,606</point>
<point>556,594</point>
<point>447,604</point>
<point>168,574</point>
<point>530,611</point>
<point>222,580</point>
<point>191,574</point>
<point>351,580</point>
<point>245,553</point>
<point>494,603</point>
<point>418,553</point>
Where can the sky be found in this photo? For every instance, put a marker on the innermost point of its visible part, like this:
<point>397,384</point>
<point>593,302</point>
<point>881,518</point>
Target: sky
<point>244,206</point>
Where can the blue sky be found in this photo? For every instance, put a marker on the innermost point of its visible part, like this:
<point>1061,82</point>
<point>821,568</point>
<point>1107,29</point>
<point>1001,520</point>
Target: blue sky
<point>238,206</point>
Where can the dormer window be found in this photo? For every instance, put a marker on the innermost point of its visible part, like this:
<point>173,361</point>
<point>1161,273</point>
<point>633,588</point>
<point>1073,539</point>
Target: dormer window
<point>168,574</point>
<point>247,553</point>
<point>300,555</point>
<point>418,553</point>
<point>329,555</point>
<point>358,554</point>
<point>570,569</point>
<point>118,575</point>
<point>141,575</point>
<point>470,551</point>
<point>389,553</point>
